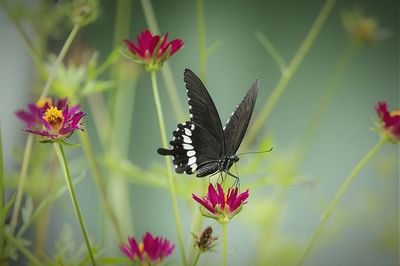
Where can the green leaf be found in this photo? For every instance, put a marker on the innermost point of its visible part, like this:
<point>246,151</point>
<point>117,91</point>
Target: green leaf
<point>27,209</point>
<point>47,141</point>
<point>96,87</point>
<point>71,145</point>
<point>7,208</point>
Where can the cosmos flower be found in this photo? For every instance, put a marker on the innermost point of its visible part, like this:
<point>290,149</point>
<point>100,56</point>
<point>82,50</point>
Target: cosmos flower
<point>151,251</point>
<point>222,206</point>
<point>389,125</point>
<point>152,50</point>
<point>52,119</point>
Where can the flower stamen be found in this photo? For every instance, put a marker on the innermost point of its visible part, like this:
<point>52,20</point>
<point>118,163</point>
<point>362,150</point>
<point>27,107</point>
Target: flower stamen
<point>55,118</point>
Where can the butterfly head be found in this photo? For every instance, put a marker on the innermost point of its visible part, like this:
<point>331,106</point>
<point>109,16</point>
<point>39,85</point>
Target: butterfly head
<point>234,158</point>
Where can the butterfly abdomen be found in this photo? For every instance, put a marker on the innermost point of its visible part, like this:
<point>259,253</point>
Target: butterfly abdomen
<point>183,153</point>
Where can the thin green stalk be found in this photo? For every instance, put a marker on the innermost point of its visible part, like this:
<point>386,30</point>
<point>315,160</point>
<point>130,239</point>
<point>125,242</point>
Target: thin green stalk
<point>267,44</point>
<point>63,161</point>
<point>31,258</point>
<point>287,76</point>
<point>327,213</point>
<point>197,218</point>
<point>2,199</point>
<point>201,35</point>
<point>166,69</point>
<point>168,165</point>
<point>59,59</point>
<point>121,118</point>
<point>43,205</point>
<point>99,179</point>
<point>224,235</point>
<point>196,259</point>
<point>21,185</point>
<point>330,90</point>
<point>29,142</point>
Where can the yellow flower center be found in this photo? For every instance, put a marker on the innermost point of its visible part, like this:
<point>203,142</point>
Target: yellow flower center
<point>54,117</point>
<point>395,113</point>
<point>141,247</point>
<point>43,101</point>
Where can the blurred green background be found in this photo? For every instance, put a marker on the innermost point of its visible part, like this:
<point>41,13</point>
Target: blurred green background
<point>279,219</point>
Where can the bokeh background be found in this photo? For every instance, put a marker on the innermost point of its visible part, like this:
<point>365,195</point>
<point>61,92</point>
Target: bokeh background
<point>280,216</point>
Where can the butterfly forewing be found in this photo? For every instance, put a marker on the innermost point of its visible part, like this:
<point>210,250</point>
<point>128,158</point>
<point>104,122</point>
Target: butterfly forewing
<point>237,124</point>
<point>202,109</point>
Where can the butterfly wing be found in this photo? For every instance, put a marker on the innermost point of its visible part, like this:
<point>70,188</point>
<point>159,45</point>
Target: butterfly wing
<point>202,109</point>
<point>199,143</point>
<point>237,124</point>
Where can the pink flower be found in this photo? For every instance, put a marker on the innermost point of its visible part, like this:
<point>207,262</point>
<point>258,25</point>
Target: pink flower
<point>153,50</point>
<point>222,206</point>
<point>389,122</point>
<point>152,250</point>
<point>52,119</point>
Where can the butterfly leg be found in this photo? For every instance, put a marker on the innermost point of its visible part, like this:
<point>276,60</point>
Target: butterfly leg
<point>237,179</point>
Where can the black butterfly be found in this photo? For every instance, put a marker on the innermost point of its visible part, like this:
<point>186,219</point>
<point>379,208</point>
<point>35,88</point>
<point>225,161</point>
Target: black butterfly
<point>201,145</point>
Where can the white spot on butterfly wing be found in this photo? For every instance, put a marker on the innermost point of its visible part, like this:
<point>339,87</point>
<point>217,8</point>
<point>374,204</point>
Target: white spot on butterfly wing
<point>191,116</point>
<point>188,132</point>
<point>193,167</point>
<point>192,127</point>
<point>191,153</point>
<point>192,160</point>
<point>186,139</point>
<point>187,146</point>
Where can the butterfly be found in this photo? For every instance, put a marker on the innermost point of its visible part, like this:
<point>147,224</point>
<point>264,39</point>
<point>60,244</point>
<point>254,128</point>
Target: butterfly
<point>201,145</point>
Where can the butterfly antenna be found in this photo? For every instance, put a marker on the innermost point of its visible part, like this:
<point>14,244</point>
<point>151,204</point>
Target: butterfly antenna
<point>255,152</point>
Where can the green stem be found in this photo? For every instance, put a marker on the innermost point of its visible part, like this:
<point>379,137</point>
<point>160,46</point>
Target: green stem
<point>122,110</point>
<point>197,218</point>
<point>166,69</point>
<point>287,76</point>
<point>168,165</point>
<point>32,259</point>
<point>201,33</point>
<point>224,235</point>
<point>29,142</point>
<point>63,161</point>
<point>330,90</point>
<point>196,259</point>
<point>2,200</point>
<point>21,185</point>
<point>327,213</point>
<point>267,44</point>
<point>99,179</point>
<point>59,59</point>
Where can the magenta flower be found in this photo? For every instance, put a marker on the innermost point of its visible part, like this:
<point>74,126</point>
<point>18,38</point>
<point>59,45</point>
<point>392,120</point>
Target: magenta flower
<point>152,50</point>
<point>151,251</point>
<point>222,206</point>
<point>389,122</point>
<point>52,119</point>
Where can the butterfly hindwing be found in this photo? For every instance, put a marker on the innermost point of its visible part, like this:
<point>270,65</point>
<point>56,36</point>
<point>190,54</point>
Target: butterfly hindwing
<point>237,124</point>
<point>192,148</point>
